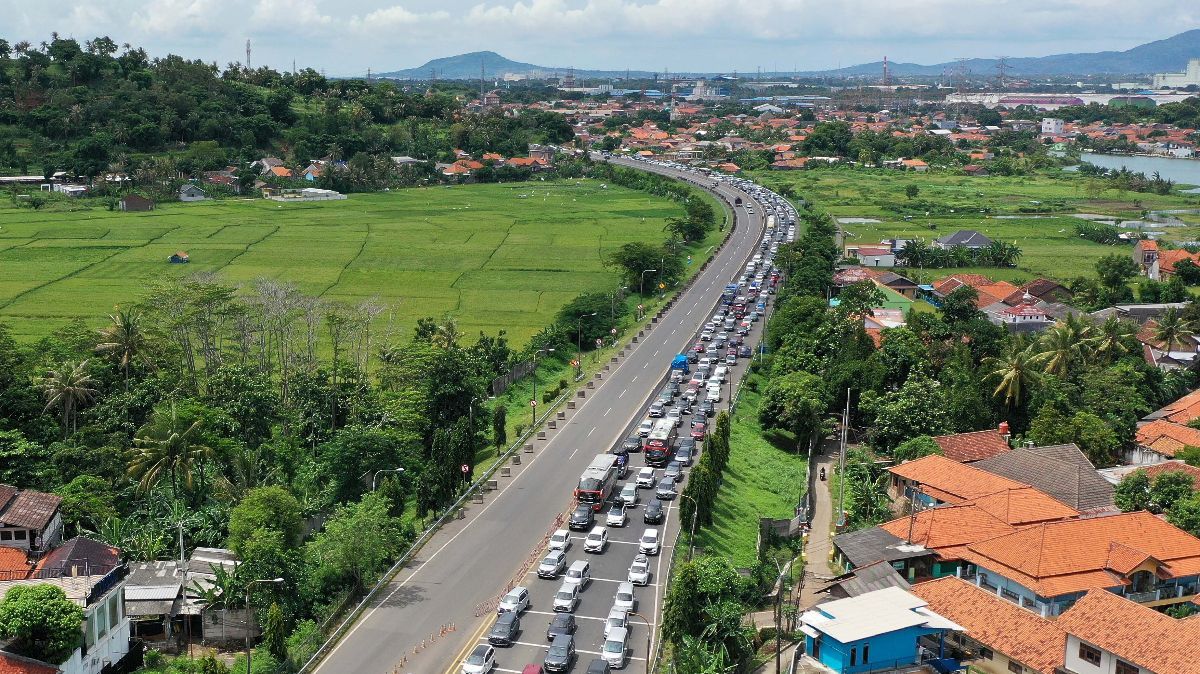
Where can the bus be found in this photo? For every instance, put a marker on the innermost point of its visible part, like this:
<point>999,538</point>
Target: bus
<point>659,445</point>
<point>597,481</point>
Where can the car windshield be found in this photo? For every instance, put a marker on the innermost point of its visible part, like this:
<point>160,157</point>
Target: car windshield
<point>647,538</point>
<point>613,647</point>
<point>625,596</point>
<point>565,594</point>
<point>477,658</point>
<point>639,568</point>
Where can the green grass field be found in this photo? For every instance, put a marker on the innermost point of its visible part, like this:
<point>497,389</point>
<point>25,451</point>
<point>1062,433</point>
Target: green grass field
<point>1049,244</point>
<point>494,256</point>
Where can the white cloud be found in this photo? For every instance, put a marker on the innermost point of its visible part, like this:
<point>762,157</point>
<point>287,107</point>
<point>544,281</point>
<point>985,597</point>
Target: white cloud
<point>174,17</point>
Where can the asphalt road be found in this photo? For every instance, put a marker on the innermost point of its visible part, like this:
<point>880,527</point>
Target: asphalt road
<point>436,608</point>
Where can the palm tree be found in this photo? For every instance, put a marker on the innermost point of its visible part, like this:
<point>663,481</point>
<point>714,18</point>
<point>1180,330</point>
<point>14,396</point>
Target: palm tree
<point>1113,339</point>
<point>1064,345</point>
<point>1016,370</point>
<point>1173,329</point>
<point>447,334</point>
<point>68,388</point>
<point>163,448</point>
<point>124,339</point>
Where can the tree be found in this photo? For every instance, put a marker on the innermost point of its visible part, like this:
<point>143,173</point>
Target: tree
<point>1186,514</point>
<point>275,633</point>
<point>358,541</point>
<point>1133,492</point>
<point>917,408</point>
<point>86,502</point>
<point>1172,329</point>
<point>1115,269</point>
<point>1113,339</point>
<point>1171,487</point>
<point>41,622</point>
<point>125,340</point>
<point>795,402</point>
<point>165,447</point>
<point>1015,372</point>
<point>911,191</point>
<point>915,448</point>
<point>68,388</point>
<point>634,258</point>
<point>1096,438</point>
<point>500,425</point>
<point>959,306</point>
<point>266,508</point>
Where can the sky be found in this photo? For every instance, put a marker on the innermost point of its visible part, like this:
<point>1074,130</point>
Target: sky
<point>346,37</point>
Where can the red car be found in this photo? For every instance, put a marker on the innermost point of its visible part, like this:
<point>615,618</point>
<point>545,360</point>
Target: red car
<point>699,430</point>
<point>699,348</point>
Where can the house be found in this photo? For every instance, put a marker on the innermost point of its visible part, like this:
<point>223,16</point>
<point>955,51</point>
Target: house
<point>281,172</point>
<point>168,599</point>
<point>312,172</point>
<point>974,446</point>
<point>29,520</point>
<point>1163,268</point>
<point>1062,471</point>
<point>869,256</point>
<point>11,663</point>
<point>1052,126</point>
<point>914,165</point>
<point>1108,634</point>
<point>873,632</point>
<point>898,283</point>
<point>1047,567</point>
<point>1042,289</point>
<point>860,549</point>
<point>1138,313</point>
<point>1158,441</point>
<point>265,164</point>
<point>998,636</point>
<point>935,480</point>
<point>1025,317</point>
<point>975,170</point>
<point>190,192</point>
<point>134,202</point>
<point>542,153</point>
<point>862,580</point>
<point>967,238</point>
<point>179,257</point>
<point>1180,411</point>
<point>1145,254</point>
<point>462,168</point>
<point>1180,355</point>
<point>405,160</point>
<point>1117,473</point>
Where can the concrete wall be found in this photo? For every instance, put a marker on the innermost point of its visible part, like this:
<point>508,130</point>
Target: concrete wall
<point>1077,665</point>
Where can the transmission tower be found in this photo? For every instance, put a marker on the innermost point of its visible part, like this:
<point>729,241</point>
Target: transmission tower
<point>887,79</point>
<point>247,54</point>
<point>1002,71</point>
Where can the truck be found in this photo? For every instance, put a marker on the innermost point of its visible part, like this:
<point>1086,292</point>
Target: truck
<point>680,362</point>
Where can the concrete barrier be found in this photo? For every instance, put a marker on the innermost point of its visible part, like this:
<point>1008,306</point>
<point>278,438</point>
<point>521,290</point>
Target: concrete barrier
<point>541,435</point>
<point>493,485</point>
<point>570,404</point>
<point>505,471</point>
<point>599,375</point>
<point>580,393</point>
<point>528,449</point>
<point>477,498</point>
<point>614,358</point>
<point>562,415</point>
<point>516,460</point>
<point>591,384</point>
<point>552,424</point>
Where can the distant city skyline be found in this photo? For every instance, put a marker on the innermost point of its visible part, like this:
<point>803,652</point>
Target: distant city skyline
<point>346,37</point>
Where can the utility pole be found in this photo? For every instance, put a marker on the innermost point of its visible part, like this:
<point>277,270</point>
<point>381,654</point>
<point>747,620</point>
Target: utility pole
<point>247,54</point>
<point>842,463</point>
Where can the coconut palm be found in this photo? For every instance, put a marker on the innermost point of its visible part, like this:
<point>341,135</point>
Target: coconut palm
<point>1173,329</point>
<point>68,388</point>
<point>165,449</point>
<point>124,339</point>
<point>1064,346</point>
<point>1113,339</point>
<point>1016,371</point>
<point>447,334</point>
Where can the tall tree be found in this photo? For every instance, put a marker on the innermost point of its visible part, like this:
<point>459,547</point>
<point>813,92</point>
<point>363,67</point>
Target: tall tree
<point>68,388</point>
<point>124,339</point>
<point>1172,329</point>
<point>1015,372</point>
<point>167,447</point>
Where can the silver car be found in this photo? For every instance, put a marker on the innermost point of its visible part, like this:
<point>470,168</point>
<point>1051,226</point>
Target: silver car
<point>617,619</point>
<point>552,565</point>
<point>624,599</point>
<point>639,571</point>
<point>629,494</point>
<point>567,597</point>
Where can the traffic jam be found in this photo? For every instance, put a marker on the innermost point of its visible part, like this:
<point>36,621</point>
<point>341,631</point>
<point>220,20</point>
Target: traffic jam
<point>591,602</point>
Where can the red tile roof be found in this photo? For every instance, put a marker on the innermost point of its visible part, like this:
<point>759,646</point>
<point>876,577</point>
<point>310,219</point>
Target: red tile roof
<point>950,481</point>
<point>1134,633</point>
<point>967,447</point>
<point>1183,410</point>
<point>10,663</point>
<point>1167,259</point>
<point>1166,437</point>
<point>1173,467</point>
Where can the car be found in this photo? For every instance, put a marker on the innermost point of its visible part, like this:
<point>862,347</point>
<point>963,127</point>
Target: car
<point>480,661</point>
<point>632,443</point>
<point>706,336</point>
<point>567,597</point>
<point>699,430</point>
<point>639,571</point>
<point>707,409</point>
<point>713,395</point>
<point>646,478</point>
<point>624,599</point>
<point>719,343</point>
<point>504,630</point>
<point>721,374</point>
<point>552,564</point>
<point>761,307</point>
<point>629,494</point>
<point>561,654</point>
<point>596,540</point>
<point>731,357</point>
<point>598,666</point>
<point>683,455</point>
<point>581,518</point>
<point>676,376</point>
<point>645,427</point>
<point>753,316</point>
<point>666,396</point>
<point>616,618</point>
<point>649,544</point>
<point>515,601</point>
<point>689,396</point>
<point>579,573</point>
<point>674,471</point>
<point>656,410</point>
<point>614,648</point>
<point>744,351</point>
<point>653,514</point>
<point>561,623</point>
<point>560,540</point>
<point>699,347</point>
<point>675,414</point>
<point>692,356</point>
<point>744,327</point>
<point>616,515</point>
<point>666,489</point>
<point>688,443</point>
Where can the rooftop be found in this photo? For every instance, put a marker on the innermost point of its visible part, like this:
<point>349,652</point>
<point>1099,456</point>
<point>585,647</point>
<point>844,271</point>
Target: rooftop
<point>27,508</point>
<point>887,610</point>
<point>1062,471</point>
<point>950,481</point>
<point>1134,633</point>
<point>1167,437</point>
<point>967,447</point>
<point>867,546</point>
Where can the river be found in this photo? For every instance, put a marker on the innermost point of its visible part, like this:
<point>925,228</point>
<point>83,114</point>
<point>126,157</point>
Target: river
<point>1183,171</point>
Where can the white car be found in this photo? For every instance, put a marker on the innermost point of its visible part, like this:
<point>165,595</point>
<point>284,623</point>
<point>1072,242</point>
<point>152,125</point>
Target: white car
<point>560,540</point>
<point>713,395</point>
<point>516,600</point>
<point>629,495</point>
<point>480,661</point>
<point>645,428</point>
<point>675,414</point>
<point>617,619</point>
<point>624,599</point>
<point>567,597</point>
<point>646,478</point>
<point>616,516</point>
<point>596,540</point>
<point>648,543</point>
<point>639,571</point>
<point>552,565</point>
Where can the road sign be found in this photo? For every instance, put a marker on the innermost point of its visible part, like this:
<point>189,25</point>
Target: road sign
<point>533,403</point>
<point>662,286</point>
<point>466,469</point>
<point>599,342</point>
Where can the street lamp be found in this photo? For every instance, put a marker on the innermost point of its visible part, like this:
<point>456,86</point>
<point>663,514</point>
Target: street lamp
<point>692,534</point>
<point>649,633</point>
<point>250,614</point>
<point>383,470</point>
<point>534,400</point>
<point>642,289</point>
<point>579,343</point>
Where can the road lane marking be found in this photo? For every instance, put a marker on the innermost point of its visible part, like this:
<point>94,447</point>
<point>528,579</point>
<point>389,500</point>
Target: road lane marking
<point>572,454</point>
<point>606,412</point>
<point>623,392</point>
<point>634,379</point>
<point>590,432</point>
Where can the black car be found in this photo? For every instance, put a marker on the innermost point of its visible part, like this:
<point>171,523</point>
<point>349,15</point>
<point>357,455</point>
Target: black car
<point>504,631</point>
<point>581,518</point>
<point>707,408</point>
<point>666,397</point>
<point>632,444</point>
<point>689,443</point>
<point>683,455</point>
<point>561,655</point>
<point>692,356</point>
<point>563,623</point>
<point>598,666</point>
<point>745,352</point>
<point>653,514</point>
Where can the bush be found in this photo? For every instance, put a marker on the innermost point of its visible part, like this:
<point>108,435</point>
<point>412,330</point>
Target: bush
<point>152,657</point>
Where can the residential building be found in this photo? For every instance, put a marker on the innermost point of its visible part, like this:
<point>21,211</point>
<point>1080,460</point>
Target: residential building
<point>1061,471</point>
<point>974,446</point>
<point>1052,126</point>
<point>1189,77</point>
<point>898,283</point>
<point>1163,267</point>
<point>134,202</point>
<point>1117,473</point>
<point>936,480</point>
<point>168,599</point>
<point>870,256</point>
<point>29,520</point>
<point>190,192</point>
<point>914,165</point>
<point>1025,317</point>
<point>1042,289</point>
<point>967,238</point>
<point>1159,440</point>
<point>874,632</point>
<point>1145,254</point>
<point>1109,635</point>
<point>864,579</point>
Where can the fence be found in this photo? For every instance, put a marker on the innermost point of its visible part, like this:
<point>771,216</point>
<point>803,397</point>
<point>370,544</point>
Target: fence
<point>500,384</point>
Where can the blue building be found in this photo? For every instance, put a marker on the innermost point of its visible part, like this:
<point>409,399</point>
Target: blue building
<point>876,632</point>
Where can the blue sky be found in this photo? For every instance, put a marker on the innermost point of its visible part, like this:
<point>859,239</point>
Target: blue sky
<point>345,37</point>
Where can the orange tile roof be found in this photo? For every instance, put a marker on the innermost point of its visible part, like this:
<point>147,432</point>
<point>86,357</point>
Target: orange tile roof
<point>949,529</point>
<point>12,561</point>
<point>1024,506</point>
<point>281,171</point>
<point>1147,244</point>
<point>1166,437</point>
<point>967,447</point>
<point>1167,259</point>
<point>1057,558</point>
<point>10,663</point>
<point>1004,627</point>
<point>1173,467</point>
<point>958,482</point>
<point>1134,633</point>
<point>1185,409</point>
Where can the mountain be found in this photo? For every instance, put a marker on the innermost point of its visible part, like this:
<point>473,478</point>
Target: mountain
<point>1169,55</point>
<point>466,67</point>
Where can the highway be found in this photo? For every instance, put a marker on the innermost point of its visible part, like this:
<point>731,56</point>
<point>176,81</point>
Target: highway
<point>470,562</point>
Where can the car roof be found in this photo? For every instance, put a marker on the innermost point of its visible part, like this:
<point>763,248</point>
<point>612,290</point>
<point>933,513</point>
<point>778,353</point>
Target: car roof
<point>564,638</point>
<point>579,564</point>
<point>625,584</point>
<point>598,530</point>
<point>481,649</point>
<point>618,634</point>
<point>650,532</point>
<point>614,612</point>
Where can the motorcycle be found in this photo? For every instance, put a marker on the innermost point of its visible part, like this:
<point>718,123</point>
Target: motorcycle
<point>822,474</point>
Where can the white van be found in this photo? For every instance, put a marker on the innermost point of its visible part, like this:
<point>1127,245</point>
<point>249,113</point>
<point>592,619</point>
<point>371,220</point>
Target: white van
<point>613,651</point>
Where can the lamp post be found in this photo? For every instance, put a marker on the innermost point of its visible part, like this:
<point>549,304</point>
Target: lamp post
<point>642,289</point>
<point>250,613</point>
<point>375,477</point>
<point>778,616</point>
<point>534,401</point>
<point>649,634</point>
<point>692,533</point>
<point>579,342</point>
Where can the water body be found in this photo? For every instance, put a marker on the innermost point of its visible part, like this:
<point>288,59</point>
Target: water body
<point>1182,171</point>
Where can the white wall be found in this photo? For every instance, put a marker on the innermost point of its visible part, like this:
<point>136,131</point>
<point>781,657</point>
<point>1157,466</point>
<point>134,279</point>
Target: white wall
<point>1076,665</point>
<point>106,634</point>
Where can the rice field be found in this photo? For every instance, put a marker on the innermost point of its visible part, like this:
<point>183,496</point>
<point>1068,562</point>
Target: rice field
<point>497,256</point>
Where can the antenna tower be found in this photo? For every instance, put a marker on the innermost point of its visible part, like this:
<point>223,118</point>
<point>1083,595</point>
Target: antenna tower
<point>247,54</point>
<point>481,94</point>
<point>886,76</point>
